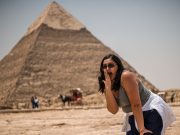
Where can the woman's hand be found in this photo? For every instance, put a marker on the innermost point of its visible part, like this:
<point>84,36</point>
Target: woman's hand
<point>142,132</point>
<point>107,81</point>
<point>112,105</point>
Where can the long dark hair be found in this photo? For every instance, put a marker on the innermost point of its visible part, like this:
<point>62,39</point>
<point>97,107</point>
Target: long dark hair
<point>116,85</point>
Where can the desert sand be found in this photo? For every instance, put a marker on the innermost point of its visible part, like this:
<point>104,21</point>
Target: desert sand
<point>77,121</point>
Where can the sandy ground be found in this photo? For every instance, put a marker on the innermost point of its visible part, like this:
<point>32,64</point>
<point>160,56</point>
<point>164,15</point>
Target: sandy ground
<point>70,122</point>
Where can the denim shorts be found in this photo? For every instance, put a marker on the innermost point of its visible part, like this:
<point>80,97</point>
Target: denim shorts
<point>152,122</point>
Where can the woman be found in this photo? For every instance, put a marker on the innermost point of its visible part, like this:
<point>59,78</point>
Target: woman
<point>146,112</point>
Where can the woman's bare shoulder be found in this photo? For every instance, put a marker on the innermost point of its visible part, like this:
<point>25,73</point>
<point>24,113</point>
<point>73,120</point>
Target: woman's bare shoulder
<point>127,74</point>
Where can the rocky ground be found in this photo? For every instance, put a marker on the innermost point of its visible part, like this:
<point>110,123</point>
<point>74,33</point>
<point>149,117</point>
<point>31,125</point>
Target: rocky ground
<point>77,121</point>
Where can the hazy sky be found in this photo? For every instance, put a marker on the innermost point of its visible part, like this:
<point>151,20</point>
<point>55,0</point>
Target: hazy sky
<point>146,33</point>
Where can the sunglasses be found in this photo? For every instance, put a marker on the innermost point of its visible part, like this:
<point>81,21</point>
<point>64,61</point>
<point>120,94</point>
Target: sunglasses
<point>108,65</point>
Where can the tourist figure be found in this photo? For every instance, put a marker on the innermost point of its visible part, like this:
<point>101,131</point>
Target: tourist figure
<point>77,96</point>
<point>173,97</point>
<point>146,112</point>
<point>36,102</point>
<point>32,102</point>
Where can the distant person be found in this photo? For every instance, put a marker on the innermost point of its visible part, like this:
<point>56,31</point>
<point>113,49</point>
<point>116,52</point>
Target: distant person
<point>32,102</point>
<point>146,112</point>
<point>173,97</point>
<point>36,102</point>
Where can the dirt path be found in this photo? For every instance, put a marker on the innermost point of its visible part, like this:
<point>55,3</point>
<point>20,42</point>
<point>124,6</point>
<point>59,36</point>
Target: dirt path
<point>69,122</point>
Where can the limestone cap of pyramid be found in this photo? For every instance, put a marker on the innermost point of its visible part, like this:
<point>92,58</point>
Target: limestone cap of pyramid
<point>55,16</point>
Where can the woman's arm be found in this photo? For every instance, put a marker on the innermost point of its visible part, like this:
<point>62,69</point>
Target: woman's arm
<point>130,84</point>
<point>112,105</point>
<point>110,95</point>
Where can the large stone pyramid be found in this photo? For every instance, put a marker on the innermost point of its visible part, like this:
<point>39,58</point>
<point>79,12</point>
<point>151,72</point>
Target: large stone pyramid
<point>56,54</point>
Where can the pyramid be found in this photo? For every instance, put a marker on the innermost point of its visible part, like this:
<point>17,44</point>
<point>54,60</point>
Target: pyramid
<point>56,54</point>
